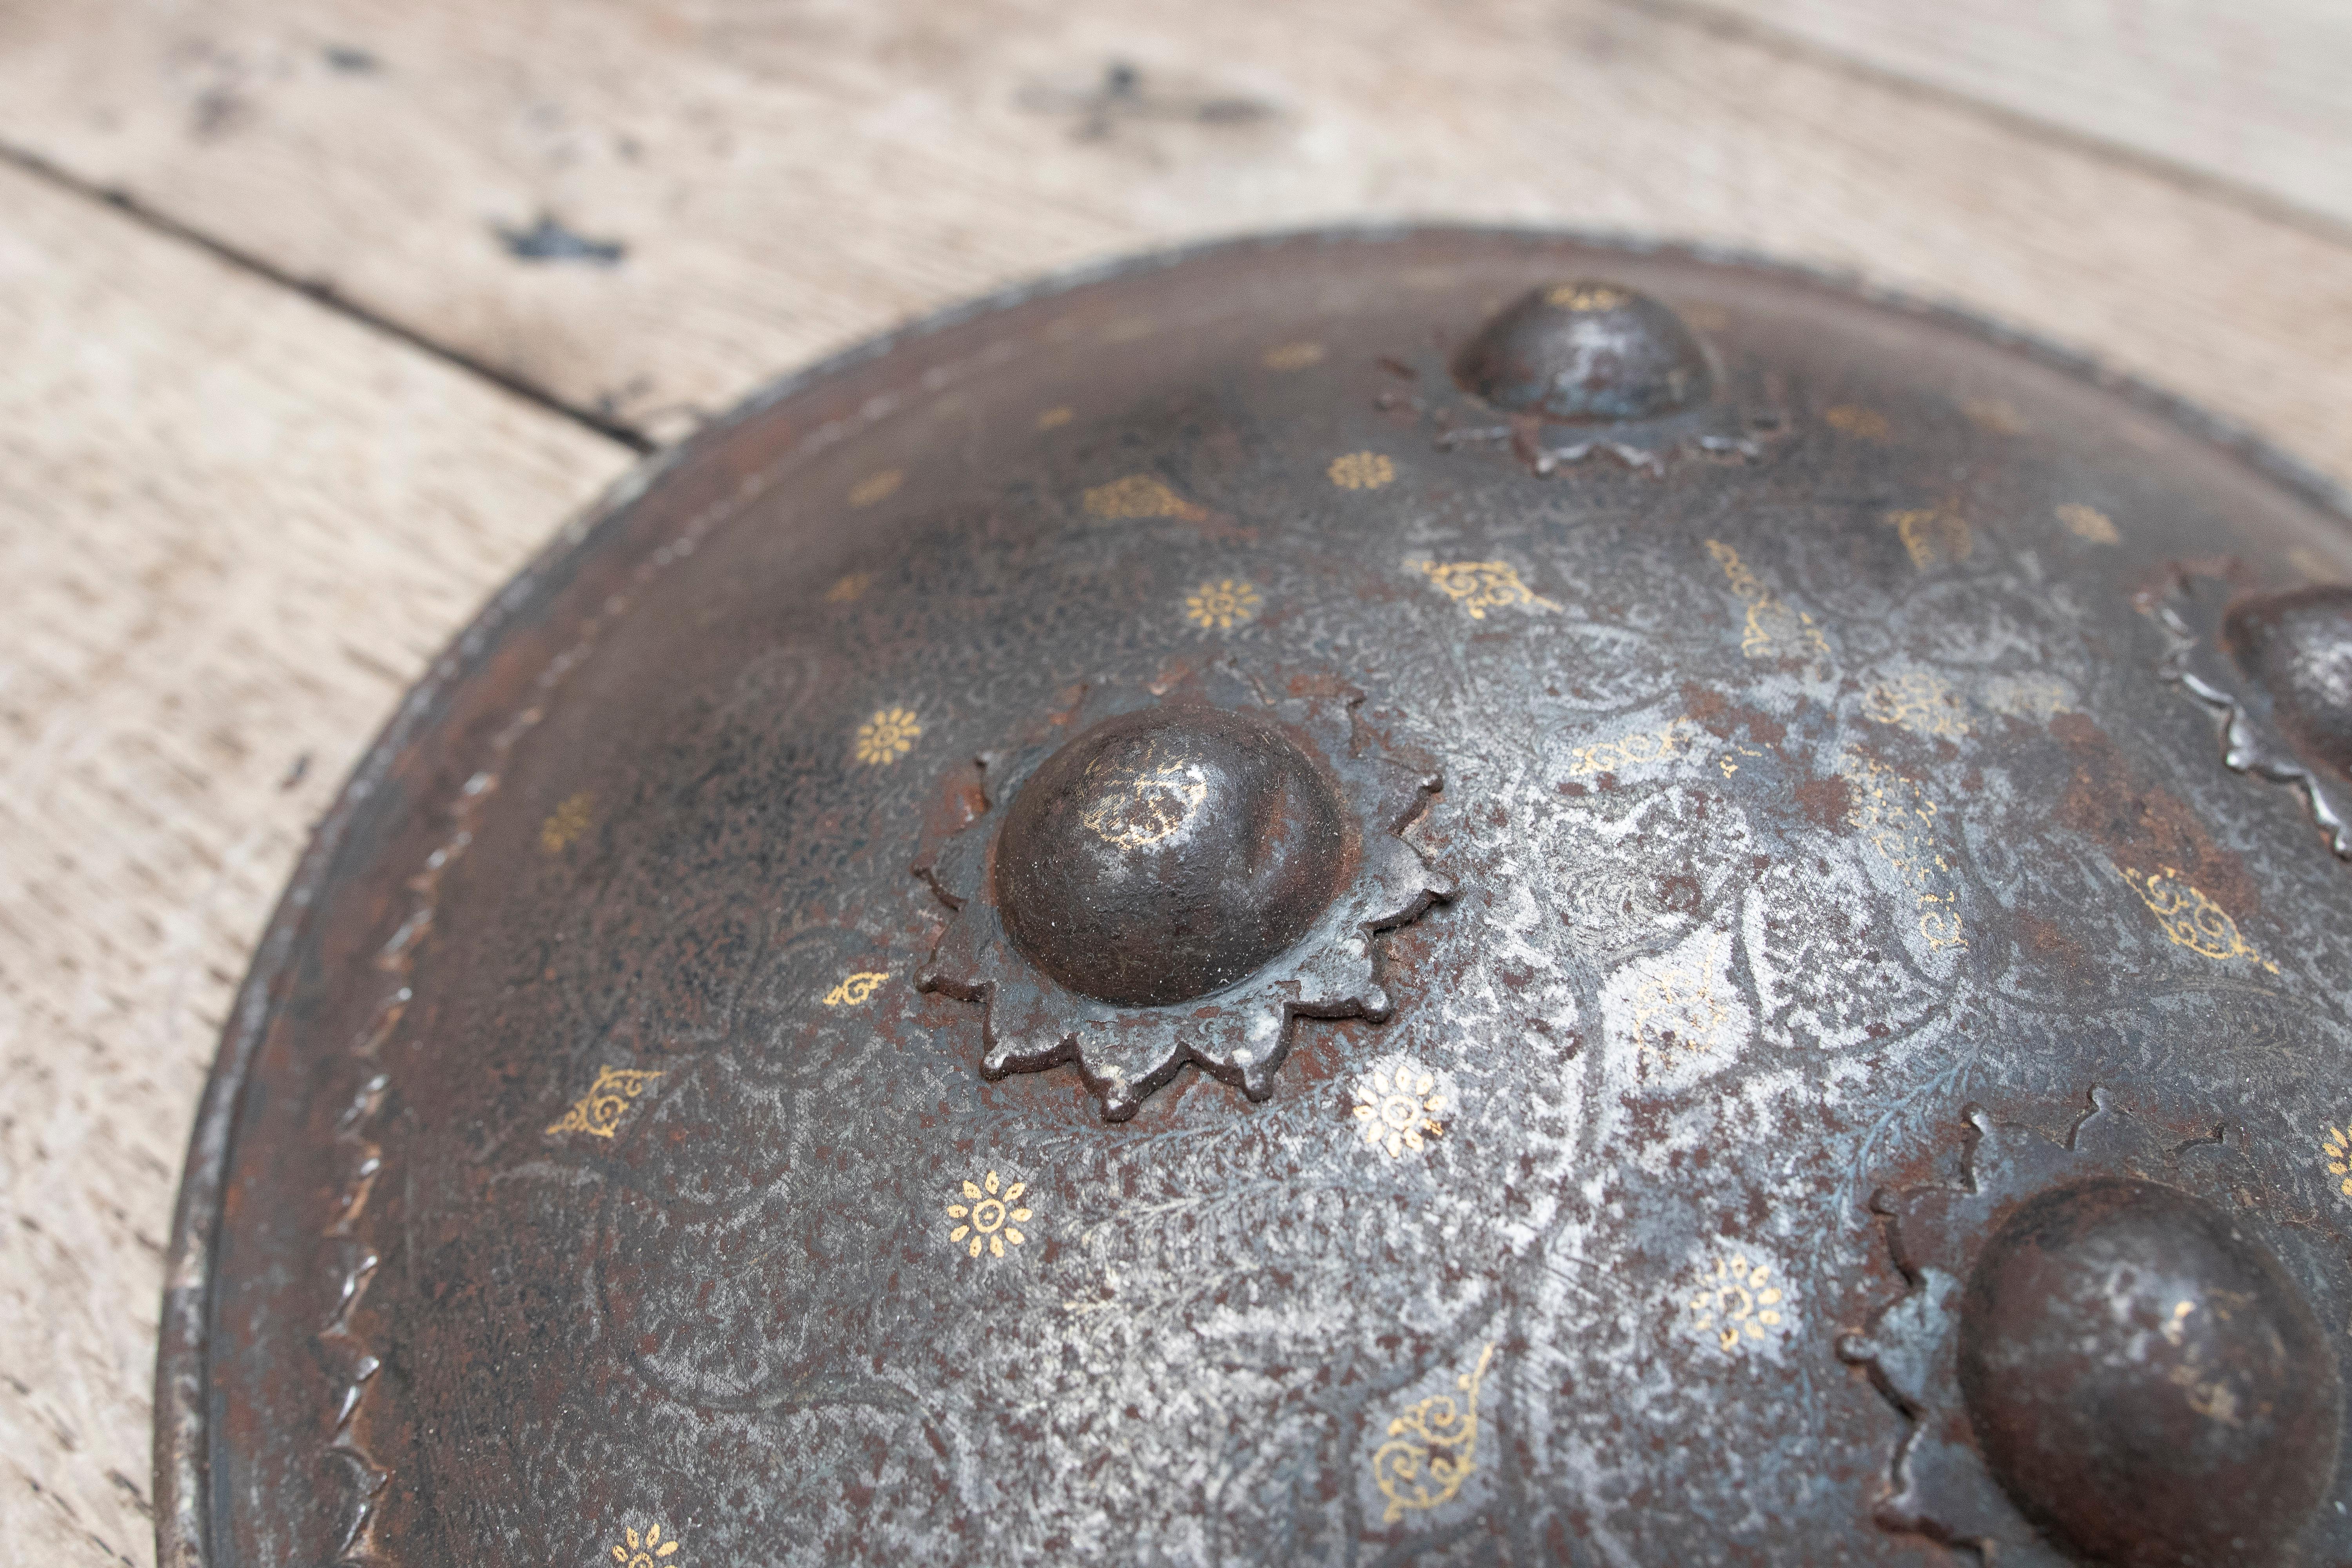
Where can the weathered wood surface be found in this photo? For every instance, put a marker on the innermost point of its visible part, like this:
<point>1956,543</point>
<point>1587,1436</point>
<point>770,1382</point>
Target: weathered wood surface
<point>2253,93</point>
<point>784,180</point>
<point>233,528</point>
<point>233,523</point>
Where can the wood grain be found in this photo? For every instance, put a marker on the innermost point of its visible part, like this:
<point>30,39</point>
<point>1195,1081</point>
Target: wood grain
<point>784,180</point>
<point>233,528</point>
<point>2250,94</point>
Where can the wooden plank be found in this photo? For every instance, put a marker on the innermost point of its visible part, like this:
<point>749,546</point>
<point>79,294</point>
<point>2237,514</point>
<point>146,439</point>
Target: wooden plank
<point>233,527</point>
<point>782,181</point>
<point>2252,94</point>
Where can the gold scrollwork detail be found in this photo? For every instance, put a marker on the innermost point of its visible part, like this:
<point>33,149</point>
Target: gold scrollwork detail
<point>1853,419</point>
<point>875,486</point>
<point>2189,918</point>
<point>1140,496</point>
<point>1772,627</point>
<point>2088,522</point>
<point>1630,751</point>
<point>1934,534</point>
<point>1684,997</point>
<point>1432,1449</point>
<point>1586,297</point>
<point>1479,586</point>
<point>1894,816</point>
<point>599,1112</point>
<point>1919,702</point>
<point>856,989</point>
<point>645,1552</point>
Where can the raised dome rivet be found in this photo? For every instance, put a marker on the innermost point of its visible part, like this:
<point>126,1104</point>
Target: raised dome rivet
<point>2298,644</point>
<point>1165,854</point>
<point>1586,352</point>
<point>2281,664</point>
<point>2145,1382</point>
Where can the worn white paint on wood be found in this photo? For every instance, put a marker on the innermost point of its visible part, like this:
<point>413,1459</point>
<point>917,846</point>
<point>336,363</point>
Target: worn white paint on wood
<point>2256,92</point>
<point>233,528</point>
<point>787,179</point>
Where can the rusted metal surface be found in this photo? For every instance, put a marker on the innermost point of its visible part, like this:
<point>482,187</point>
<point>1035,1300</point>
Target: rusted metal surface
<point>1284,906</point>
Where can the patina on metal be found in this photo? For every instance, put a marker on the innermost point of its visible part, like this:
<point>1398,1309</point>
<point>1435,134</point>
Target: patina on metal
<point>1416,897</point>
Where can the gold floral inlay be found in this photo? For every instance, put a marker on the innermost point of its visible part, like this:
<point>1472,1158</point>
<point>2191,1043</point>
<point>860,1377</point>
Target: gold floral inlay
<point>1140,496</point>
<point>2337,1146</point>
<point>1479,586</point>
<point>600,1112</point>
<point>875,486</point>
<point>2089,522</point>
<point>1362,470</point>
<point>1856,420</point>
<point>1933,535</point>
<point>1142,801</point>
<point>1222,605</point>
<point>856,990</point>
<point>1917,701</point>
<point>887,736</point>
<point>849,588</point>
<point>1432,1449</point>
<point>1585,297</point>
<point>2189,919</point>
<point>1737,1304</point>
<point>1772,630</point>
<point>567,822</point>
<point>646,1551</point>
<point>987,1218</point>
<point>1292,357</point>
<point>1056,418</point>
<point>1397,1107</point>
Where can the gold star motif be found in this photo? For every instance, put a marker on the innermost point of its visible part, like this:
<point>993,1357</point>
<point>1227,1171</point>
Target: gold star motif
<point>1222,606</point>
<point>1395,1108</point>
<point>1740,1301</point>
<point>987,1217</point>
<point>887,736</point>
<point>566,823</point>
<point>645,1552</point>
<point>1362,470</point>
